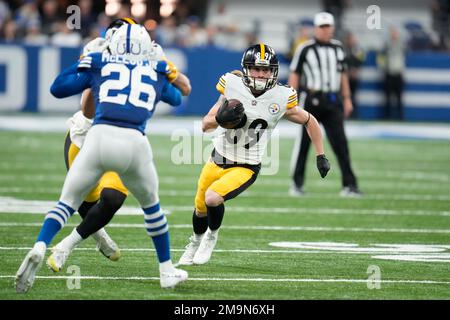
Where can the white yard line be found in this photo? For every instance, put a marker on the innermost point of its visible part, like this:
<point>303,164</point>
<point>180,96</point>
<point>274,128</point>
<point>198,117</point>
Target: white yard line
<point>385,175</point>
<point>262,181</point>
<point>182,250</point>
<point>246,228</point>
<point>256,194</point>
<point>242,279</point>
<point>135,211</point>
<point>393,253</point>
<point>40,207</point>
<point>169,125</point>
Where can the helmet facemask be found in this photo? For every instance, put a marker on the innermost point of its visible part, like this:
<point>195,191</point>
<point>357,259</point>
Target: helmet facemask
<point>252,59</point>
<point>259,85</point>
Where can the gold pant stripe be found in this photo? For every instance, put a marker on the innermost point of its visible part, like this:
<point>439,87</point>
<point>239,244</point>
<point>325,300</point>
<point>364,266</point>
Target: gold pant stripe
<point>228,183</point>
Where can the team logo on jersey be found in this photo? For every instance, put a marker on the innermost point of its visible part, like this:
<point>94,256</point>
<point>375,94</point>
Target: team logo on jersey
<point>274,108</point>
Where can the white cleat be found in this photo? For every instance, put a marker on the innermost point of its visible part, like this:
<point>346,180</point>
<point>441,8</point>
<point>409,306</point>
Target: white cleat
<point>166,211</point>
<point>30,266</point>
<point>295,191</point>
<point>171,279</point>
<point>106,245</point>
<point>58,258</point>
<point>191,248</point>
<point>351,192</point>
<point>206,247</point>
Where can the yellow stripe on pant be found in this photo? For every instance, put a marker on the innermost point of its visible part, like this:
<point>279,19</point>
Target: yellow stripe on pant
<point>228,182</point>
<point>109,179</point>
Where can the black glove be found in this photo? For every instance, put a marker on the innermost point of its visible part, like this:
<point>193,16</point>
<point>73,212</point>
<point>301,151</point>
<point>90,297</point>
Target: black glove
<point>231,114</point>
<point>323,165</point>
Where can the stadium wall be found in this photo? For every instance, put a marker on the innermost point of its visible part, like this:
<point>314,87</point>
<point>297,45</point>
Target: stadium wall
<point>26,73</point>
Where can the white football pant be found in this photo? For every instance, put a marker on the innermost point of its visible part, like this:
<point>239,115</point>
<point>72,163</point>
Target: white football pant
<point>110,148</point>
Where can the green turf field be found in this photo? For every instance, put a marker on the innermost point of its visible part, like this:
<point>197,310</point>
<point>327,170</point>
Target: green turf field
<point>406,202</point>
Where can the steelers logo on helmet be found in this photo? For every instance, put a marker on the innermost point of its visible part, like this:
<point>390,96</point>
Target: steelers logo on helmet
<point>260,56</point>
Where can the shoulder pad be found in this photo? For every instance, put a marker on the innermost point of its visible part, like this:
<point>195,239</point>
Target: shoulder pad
<point>237,73</point>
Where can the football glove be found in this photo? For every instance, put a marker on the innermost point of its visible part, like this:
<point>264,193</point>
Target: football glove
<point>157,53</point>
<point>167,68</point>
<point>323,165</point>
<point>97,45</point>
<point>231,117</point>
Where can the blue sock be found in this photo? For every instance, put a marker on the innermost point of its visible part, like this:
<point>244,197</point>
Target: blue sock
<point>54,221</point>
<point>158,228</point>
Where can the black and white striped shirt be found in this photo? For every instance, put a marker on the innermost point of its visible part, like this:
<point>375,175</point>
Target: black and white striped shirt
<point>320,65</point>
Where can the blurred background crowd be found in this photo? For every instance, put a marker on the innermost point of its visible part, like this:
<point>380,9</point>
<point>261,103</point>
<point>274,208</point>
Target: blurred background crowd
<point>224,23</point>
<point>405,26</point>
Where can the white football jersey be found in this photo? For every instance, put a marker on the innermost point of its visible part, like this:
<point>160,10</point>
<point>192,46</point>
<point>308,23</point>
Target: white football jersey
<point>79,125</point>
<point>248,144</point>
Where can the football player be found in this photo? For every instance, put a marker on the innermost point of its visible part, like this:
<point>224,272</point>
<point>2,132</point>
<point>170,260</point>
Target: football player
<point>106,198</point>
<point>249,107</point>
<point>126,88</point>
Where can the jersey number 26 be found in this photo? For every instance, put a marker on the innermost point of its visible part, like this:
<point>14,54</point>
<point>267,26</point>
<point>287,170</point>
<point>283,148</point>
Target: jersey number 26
<point>132,78</point>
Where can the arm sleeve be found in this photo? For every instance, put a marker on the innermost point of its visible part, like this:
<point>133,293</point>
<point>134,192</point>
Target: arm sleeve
<point>292,99</point>
<point>171,95</point>
<point>70,82</point>
<point>343,59</point>
<point>221,85</point>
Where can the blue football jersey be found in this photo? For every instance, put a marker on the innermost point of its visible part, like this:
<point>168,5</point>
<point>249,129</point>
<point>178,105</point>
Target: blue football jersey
<point>125,91</point>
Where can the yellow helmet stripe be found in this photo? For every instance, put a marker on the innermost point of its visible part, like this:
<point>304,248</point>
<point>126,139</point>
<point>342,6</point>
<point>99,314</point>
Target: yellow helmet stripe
<point>263,51</point>
<point>129,20</point>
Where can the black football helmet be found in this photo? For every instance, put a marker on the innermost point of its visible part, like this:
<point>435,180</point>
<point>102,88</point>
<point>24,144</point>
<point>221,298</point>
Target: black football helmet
<point>260,55</point>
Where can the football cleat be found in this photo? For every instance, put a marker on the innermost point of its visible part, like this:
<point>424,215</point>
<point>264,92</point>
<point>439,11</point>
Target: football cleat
<point>206,247</point>
<point>351,192</point>
<point>295,191</point>
<point>191,248</point>
<point>166,211</point>
<point>106,245</point>
<point>26,274</point>
<point>58,258</point>
<point>171,279</point>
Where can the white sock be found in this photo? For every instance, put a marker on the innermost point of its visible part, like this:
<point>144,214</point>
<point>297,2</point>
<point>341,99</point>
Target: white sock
<point>72,240</point>
<point>213,232</point>
<point>166,266</point>
<point>41,246</point>
<point>101,233</point>
<point>198,237</point>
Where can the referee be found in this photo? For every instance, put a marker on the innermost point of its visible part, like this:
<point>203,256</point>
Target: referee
<point>318,72</point>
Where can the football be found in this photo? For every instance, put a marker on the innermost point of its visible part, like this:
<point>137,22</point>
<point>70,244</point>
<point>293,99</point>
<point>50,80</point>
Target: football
<point>230,114</point>
<point>232,103</point>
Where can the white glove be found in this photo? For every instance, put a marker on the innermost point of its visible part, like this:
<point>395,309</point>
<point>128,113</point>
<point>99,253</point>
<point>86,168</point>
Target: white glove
<point>79,126</point>
<point>157,53</point>
<point>97,45</point>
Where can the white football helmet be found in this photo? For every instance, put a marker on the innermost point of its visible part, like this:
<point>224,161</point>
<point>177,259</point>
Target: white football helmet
<point>132,40</point>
